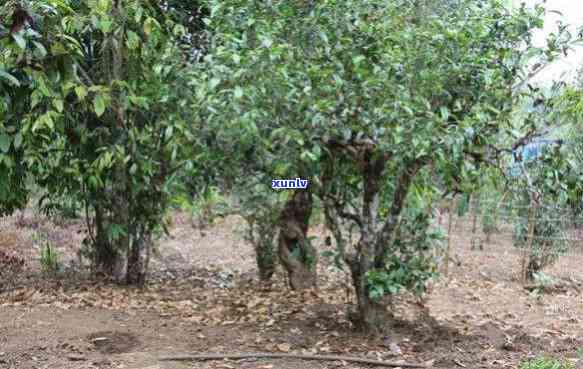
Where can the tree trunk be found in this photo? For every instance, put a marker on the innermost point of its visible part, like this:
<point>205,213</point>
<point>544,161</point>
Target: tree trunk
<point>139,258</point>
<point>376,240</point>
<point>475,243</point>
<point>532,268</point>
<point>298,257</point>
<point>371,316</point>
<point>107,260</point>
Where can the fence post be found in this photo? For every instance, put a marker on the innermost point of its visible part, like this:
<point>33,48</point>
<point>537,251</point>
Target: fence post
<point>475,211</point>
<point>452,204</point>
<point>531,226</point>
<point>495,216</point>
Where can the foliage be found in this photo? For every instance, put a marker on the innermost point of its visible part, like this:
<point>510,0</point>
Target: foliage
<point>205,207</point>
<point>15,91</point>
<point>260,206</point>
<point>410,261</point>
<point>463,205</point>
<point>543,181</point>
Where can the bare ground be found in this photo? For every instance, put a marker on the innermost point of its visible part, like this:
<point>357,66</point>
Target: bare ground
<point>203,298</point>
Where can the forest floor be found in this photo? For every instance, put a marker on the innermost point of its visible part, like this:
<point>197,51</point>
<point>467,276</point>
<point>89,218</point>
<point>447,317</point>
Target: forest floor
<point>203,298</point>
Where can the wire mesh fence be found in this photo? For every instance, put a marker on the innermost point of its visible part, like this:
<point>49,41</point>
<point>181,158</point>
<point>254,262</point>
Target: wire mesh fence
<point>535,237</point>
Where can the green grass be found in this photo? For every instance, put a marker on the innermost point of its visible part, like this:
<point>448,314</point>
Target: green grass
<point>546,363</point>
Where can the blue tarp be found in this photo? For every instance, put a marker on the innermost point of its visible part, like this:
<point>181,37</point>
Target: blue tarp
<point>529,153</point>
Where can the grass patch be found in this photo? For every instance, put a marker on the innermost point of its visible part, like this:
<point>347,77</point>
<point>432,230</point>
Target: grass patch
<point>546,363</point>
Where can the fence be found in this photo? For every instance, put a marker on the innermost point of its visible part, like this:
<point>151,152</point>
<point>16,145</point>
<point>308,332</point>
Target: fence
<point>543,234</point>
<point>495,229</point>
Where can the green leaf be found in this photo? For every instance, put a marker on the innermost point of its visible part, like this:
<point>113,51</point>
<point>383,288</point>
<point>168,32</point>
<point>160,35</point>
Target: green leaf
<point>58,104</point>
<point>139,14</point>
<point>48,120</point>
<point>105,25</point>
<point>308,156</point>
<point>358,59</point>
<point>20,41</point>
<point>81,92</point>
<point>214,82</point>
<point>4,143</point>
<point>444,113</point>
<point>93,182</point>
<point>133,40</point>
<point>35,98</point>
<point>169,131</point>
<point>10,78</point>
<point>238,92</point>
<point>40,49</point>
<point>99,105</point>
<point>18,140</point>
<point>58,49</point>
<point>149,25</point>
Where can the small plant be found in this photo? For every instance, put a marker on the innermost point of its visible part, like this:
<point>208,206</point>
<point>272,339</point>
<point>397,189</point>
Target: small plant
<point>261,234</point>
<point>546,363</point>
<point>542,281</point>
<point>209,205</point>
<point>260,208</point>
<point>49,259</point>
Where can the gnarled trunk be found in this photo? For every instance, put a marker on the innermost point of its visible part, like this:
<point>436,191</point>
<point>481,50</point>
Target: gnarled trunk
<point>376,238</point>
<point>371,316</point>
<point>298,257</point>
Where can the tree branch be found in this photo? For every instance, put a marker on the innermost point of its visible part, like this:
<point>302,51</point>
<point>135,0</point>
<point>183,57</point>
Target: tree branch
<point>338,206</point>
<point>531,75</point>
<point>293,356</point>
<point>394,217</point>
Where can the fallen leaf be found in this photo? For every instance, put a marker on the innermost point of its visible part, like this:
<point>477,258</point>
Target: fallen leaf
<point>284,347</point>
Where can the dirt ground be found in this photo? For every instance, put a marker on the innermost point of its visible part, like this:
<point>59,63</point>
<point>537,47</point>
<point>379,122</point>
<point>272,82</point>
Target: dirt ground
<point>203,299</point>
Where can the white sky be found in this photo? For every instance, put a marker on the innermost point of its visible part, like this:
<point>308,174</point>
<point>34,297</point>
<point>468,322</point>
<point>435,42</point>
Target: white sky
<point>572,11</point>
